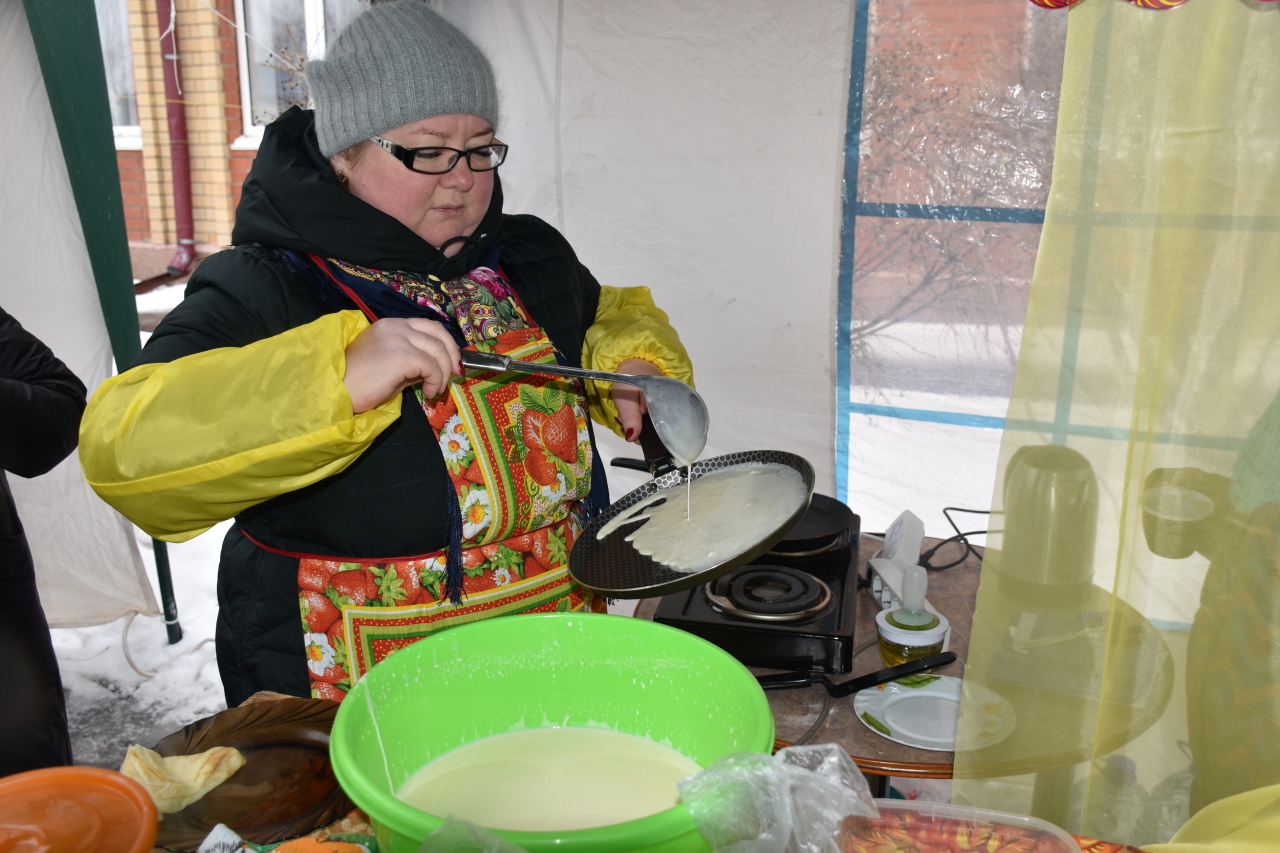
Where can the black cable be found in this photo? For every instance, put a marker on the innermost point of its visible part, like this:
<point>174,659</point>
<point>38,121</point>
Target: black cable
<point>960,536</point>
<point>947,510</point>
<point>826,701</point>
<point>968,550</point>
<point>822,718</point>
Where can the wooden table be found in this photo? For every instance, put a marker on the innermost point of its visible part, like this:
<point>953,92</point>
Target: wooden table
<point>953,593</point>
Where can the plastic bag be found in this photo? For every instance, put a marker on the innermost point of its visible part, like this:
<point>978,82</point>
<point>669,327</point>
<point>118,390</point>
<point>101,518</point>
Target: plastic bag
<point>460,836</point>
<point>792,802</point>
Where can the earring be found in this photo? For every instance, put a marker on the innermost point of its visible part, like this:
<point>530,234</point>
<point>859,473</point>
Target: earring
<point>342,177</point>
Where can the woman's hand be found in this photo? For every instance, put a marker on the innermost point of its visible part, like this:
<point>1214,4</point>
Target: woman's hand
<point>630,402</point>
<point>393,354</point>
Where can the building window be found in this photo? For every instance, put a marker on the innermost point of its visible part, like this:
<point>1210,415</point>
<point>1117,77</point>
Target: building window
<point>276,38</point>
<point>117,59</point>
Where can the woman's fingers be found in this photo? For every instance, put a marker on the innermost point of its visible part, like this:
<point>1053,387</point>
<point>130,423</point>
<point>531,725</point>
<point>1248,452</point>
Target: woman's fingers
<point>630,402</point>
<point>393,354</point>
<point>441,335</point>
<point>631,409</point>
<point>435,342</point>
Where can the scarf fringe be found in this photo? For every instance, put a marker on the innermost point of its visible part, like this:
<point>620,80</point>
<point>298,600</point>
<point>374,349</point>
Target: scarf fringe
<point>453,557</point>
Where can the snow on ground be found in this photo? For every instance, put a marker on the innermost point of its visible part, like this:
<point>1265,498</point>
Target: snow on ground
<point>161,300</point>
<point>897,464</point>
<point>109,705</point>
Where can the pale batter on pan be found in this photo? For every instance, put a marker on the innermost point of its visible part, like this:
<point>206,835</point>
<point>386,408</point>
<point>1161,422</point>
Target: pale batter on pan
<point>725,513</point>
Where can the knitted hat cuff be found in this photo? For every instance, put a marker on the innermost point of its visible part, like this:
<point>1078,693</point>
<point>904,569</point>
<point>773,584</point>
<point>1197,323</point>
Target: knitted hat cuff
<point>396,63</point>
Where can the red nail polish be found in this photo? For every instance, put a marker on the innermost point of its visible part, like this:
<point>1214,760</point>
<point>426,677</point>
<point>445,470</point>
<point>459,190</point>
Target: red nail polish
<point>631,433</point>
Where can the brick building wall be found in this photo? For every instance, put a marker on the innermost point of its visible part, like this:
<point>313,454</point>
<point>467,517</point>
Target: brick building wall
<point>211,95</point>
<point>133,186</point>
<point>144,39</point>
<point>200,44</point>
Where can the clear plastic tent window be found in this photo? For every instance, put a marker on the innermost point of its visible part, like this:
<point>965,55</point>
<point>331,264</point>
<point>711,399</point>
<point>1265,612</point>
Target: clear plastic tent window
<point>948,159</point>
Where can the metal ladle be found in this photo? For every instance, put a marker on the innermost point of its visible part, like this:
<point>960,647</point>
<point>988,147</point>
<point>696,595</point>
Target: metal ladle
<point>678,413</point>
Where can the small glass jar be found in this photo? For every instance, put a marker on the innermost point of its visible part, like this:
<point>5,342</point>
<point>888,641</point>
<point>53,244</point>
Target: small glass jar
<point>902,644</point>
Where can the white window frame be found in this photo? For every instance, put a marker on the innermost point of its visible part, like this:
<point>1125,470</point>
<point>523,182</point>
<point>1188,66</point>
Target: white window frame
<point>313,23</point>
<point>250,134</point>
<point>128,137</point>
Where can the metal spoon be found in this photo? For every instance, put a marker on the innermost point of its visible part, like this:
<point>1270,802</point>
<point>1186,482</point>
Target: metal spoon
<point>678,413</point>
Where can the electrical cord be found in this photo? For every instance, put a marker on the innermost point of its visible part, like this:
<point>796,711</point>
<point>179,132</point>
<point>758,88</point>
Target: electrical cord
<point>961,536</point>
<point>826,701</point>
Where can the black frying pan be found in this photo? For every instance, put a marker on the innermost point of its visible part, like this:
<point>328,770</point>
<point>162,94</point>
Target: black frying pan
<point>612,567</point>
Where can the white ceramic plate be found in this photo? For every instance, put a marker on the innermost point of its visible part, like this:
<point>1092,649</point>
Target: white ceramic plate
<point>924,716</point>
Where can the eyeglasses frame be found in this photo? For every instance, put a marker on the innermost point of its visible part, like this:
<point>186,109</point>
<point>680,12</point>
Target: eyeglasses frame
<point>406,155</point>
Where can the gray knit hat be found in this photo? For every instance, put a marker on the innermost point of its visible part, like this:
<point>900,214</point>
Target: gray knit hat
<point>396,63</point>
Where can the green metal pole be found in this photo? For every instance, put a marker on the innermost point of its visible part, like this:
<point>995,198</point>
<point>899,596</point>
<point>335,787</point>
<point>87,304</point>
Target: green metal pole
<point>166,591</point>
<point>65,33</point>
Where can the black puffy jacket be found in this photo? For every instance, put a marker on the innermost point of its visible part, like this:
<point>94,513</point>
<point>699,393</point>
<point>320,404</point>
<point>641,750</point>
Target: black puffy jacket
<point>40,405</point>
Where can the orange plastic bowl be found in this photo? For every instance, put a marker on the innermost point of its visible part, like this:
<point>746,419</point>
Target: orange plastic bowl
<point>76,810</point>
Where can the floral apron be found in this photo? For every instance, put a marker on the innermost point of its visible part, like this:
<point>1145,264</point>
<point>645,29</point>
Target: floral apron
<point>519,458</point>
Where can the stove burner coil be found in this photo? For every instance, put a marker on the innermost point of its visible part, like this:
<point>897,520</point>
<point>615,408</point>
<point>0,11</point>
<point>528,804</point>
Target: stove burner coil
<point>769,594</point>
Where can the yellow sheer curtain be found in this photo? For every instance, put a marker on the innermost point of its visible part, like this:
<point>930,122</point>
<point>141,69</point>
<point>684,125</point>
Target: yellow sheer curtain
<point>1129,611</point>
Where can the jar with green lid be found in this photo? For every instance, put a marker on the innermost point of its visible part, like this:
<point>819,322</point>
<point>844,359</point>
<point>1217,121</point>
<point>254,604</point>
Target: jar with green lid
<point>900,643</point>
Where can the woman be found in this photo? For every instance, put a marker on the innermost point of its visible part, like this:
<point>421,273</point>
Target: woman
<point>310,384</point>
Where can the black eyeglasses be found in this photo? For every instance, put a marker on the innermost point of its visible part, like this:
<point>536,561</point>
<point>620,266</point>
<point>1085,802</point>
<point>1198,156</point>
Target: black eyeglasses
<point>437,159</point>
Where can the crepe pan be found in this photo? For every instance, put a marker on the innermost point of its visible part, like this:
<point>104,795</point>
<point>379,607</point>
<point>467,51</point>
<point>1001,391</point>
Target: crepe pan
<point>613,568</point>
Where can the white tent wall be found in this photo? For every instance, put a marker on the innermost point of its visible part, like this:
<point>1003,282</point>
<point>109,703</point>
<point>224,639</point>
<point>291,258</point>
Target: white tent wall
<point>696,149</point>
<point>88,568</point>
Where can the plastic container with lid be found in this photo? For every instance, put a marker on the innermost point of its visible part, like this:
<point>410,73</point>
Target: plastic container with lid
<point>937,827</point>
<point>76,810</point>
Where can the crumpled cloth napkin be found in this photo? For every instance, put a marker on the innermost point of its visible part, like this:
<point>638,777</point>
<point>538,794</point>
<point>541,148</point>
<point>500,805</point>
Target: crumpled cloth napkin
<point>178,781</point>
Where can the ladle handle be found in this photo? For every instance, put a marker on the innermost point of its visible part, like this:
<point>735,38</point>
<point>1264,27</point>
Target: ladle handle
<point>656,455</point>
<point>501,363</point>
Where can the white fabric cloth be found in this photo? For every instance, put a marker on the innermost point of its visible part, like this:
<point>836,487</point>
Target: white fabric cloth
<point>88,568</point>
<point>696,149</point>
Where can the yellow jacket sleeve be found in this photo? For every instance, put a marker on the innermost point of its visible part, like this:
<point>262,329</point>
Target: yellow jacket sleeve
<point>178,447</point>
<point>629,325</point>
<point>1242,823</point>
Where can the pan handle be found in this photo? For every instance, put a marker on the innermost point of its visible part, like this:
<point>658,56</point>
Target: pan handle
<point>784,680</point>
<point>893,673</point>
<point>656,455</point>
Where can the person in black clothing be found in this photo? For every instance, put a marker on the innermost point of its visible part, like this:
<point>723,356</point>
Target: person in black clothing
<point>309,384</point>
<point>40,406</point>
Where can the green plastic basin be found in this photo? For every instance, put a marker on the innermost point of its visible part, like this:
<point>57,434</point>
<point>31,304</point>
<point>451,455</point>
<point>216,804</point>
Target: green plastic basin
<point>519,672</point>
